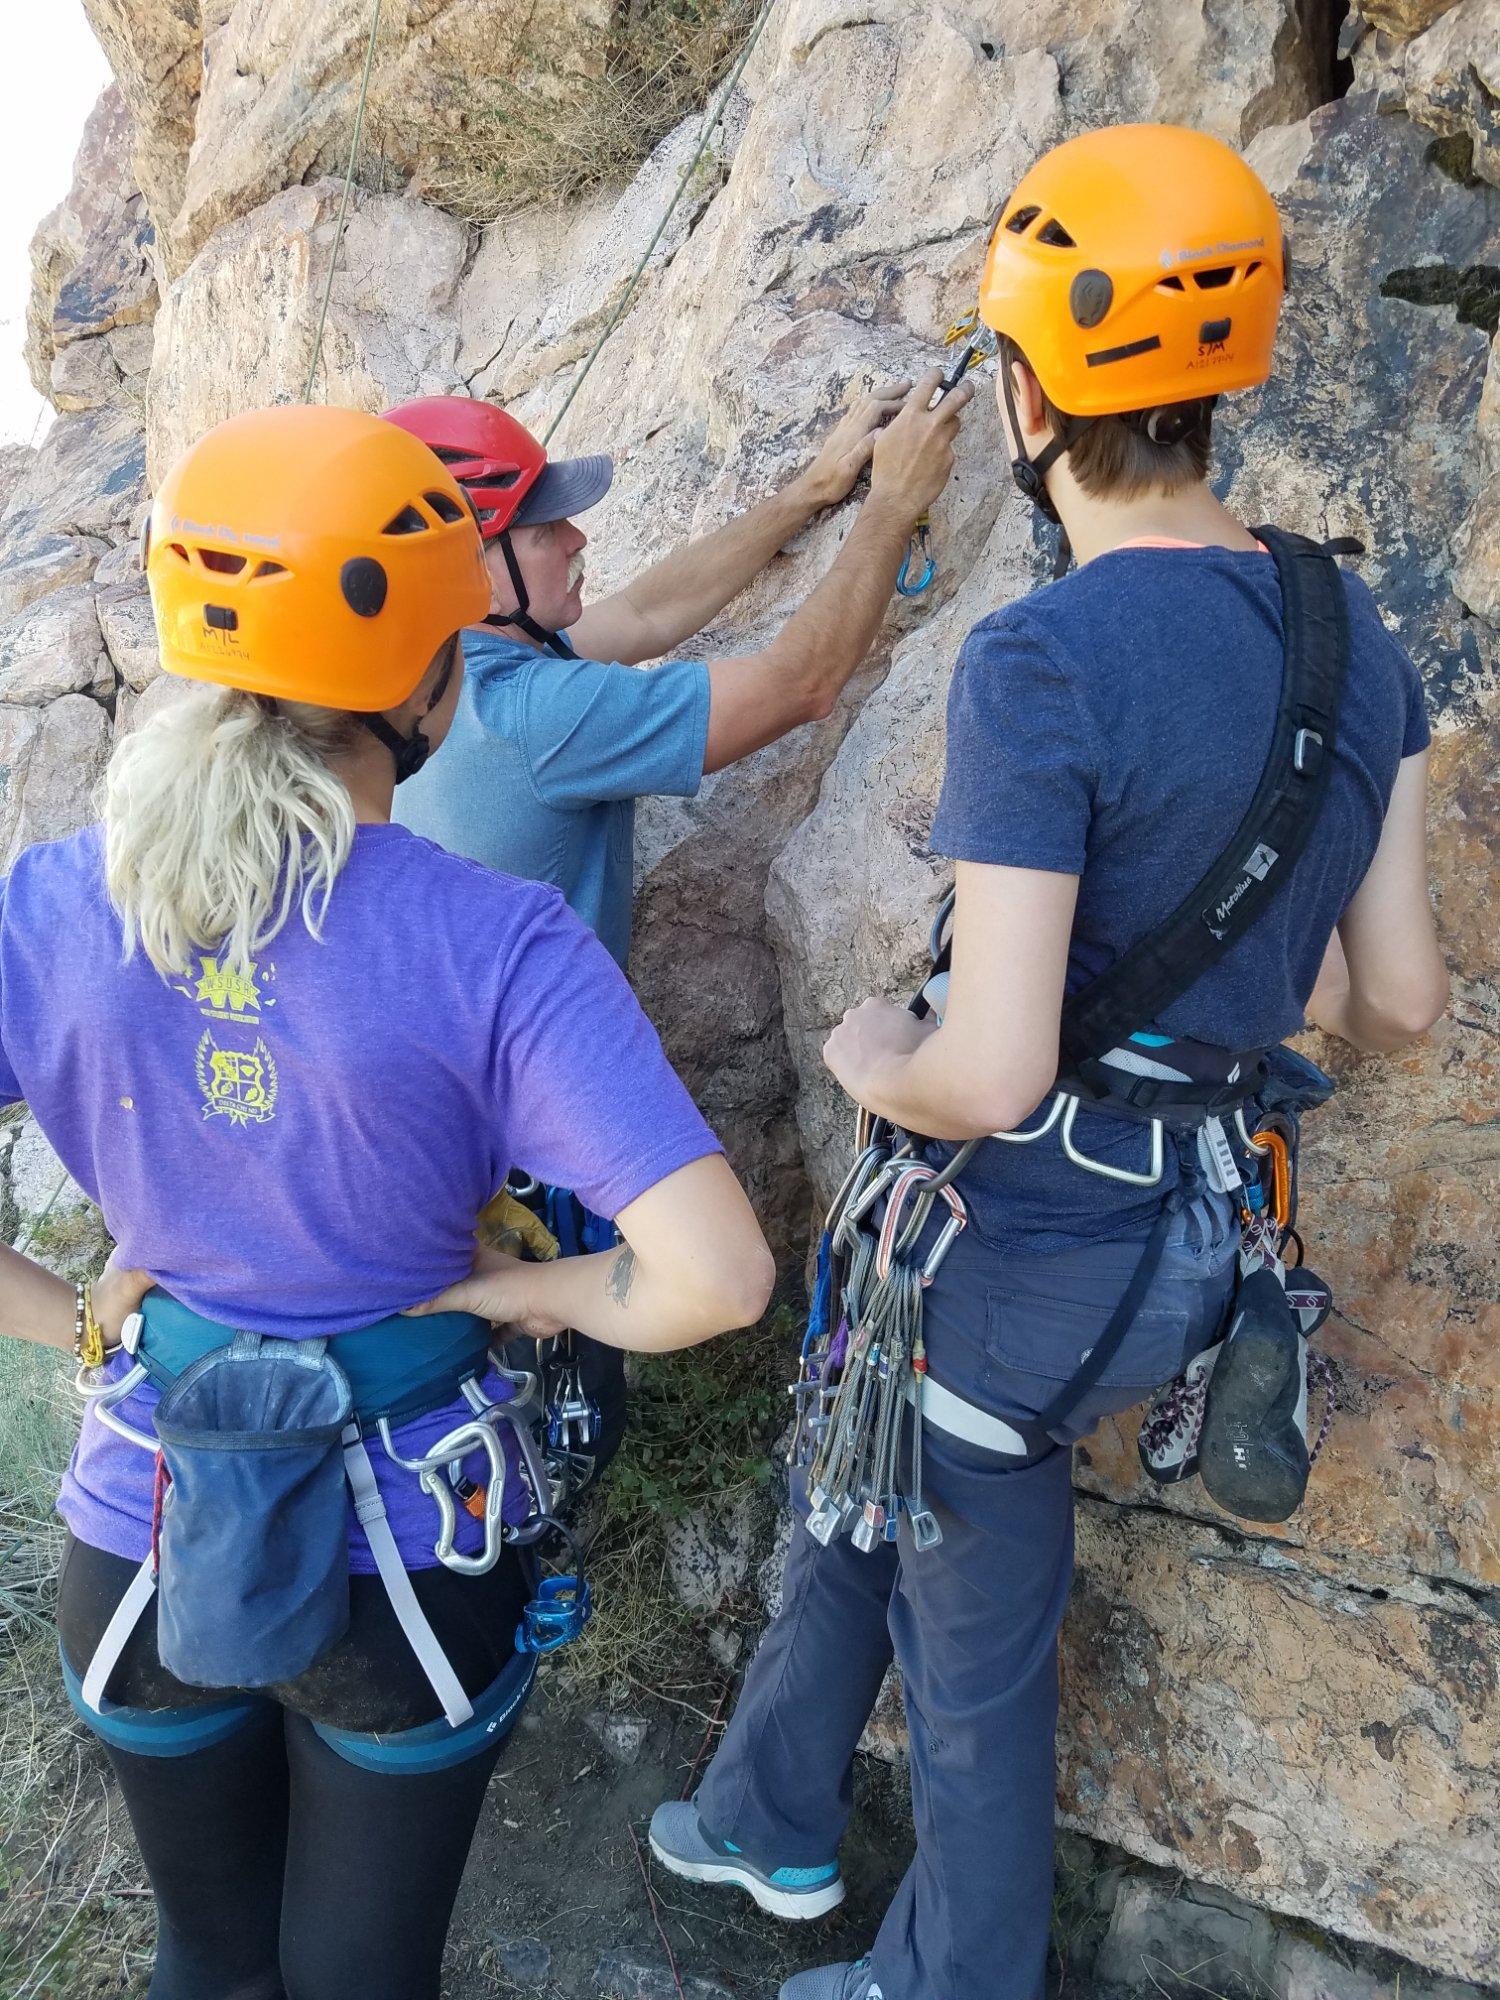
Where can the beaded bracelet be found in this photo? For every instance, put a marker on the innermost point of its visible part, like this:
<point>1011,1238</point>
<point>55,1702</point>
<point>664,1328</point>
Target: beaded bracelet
<point>88,1335</point>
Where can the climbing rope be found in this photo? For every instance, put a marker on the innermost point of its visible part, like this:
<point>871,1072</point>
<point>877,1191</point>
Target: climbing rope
<point>338,231</point>
<point>710,125</point>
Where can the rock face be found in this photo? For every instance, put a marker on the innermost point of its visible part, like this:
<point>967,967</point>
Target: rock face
<point>1305,1718</point>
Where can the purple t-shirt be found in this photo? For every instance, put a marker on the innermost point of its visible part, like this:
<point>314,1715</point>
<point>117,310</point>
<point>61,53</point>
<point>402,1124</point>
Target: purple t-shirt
<point>304,1150</point>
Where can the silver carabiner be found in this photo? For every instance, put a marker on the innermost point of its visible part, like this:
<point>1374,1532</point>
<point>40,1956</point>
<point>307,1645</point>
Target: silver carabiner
<point>1151,1178</point>
<point>436,1472</point>
<point>441,1485</point>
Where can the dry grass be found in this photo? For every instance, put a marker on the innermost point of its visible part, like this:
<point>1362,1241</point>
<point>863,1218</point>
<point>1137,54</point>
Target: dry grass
<point>523,145</point>
<point>75,1919</point>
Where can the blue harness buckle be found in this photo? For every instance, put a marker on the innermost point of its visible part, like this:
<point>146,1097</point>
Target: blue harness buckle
<point>561,1608</point>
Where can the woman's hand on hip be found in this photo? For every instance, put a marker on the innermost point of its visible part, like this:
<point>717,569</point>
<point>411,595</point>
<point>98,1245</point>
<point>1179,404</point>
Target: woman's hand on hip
<point>500,1289</point>
<point>117,1293</point>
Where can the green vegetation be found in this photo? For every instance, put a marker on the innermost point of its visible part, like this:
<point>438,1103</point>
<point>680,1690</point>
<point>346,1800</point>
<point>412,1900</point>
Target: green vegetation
<point>703,1431</point>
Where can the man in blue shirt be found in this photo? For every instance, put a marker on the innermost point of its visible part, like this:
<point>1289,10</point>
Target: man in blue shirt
<point>556,737</point>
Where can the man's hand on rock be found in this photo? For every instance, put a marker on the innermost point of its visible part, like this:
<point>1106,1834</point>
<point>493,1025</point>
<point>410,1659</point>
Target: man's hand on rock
<point>912,459</point>
<point>846,450</point>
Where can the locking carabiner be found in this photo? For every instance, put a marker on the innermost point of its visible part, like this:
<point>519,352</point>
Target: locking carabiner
<point>918,549</point>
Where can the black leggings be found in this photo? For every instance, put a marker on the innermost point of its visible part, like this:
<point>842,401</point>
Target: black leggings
<point>280,1870</point>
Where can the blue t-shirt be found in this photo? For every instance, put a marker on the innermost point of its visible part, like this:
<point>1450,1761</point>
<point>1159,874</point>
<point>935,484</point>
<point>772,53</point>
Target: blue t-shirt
<point>1114,726</point>
<point>544,763</point>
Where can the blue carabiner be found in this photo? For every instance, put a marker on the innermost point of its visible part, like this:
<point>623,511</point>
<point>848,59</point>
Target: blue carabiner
<point>921,541</point>
<point>561,1608</point>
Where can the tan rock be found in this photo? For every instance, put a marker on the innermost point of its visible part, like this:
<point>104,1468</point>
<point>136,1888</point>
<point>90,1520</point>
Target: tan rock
<point>252,299</point>
<point>1404,17</point>
<point>32,566</point>
<point>1477,581</point>
<point>52,648</point>
<point>50,761</point>
<point>125,620</point>
<point>1326,1751</point>
<point>1452,81</point>
<point>87,479</point>
<point>81,229</point>
<point>280,86</point>
<point>84,376</point>
<point>15,462</point>
<point>154,49</point>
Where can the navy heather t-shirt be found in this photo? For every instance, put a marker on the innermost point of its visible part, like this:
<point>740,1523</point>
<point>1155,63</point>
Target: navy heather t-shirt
<point>1114,726</point>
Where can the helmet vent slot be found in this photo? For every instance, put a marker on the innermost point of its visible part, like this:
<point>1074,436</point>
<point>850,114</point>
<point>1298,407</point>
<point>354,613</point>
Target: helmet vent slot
<point>410,521</point>
<point>269,569</point>
<point>1211,281</point>
<point>179,551</point>
<point>1022,220</point>
<point>444,506</point>
<point>221,562</point>
<point>1053,232</point>
<point>1170,285</point>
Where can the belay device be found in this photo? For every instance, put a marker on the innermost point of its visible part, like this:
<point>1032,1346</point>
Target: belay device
<point>1232,1117</point>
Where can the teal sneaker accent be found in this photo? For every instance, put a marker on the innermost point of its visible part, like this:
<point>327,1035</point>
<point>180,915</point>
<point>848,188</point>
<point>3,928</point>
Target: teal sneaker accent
<point>682,1844</point>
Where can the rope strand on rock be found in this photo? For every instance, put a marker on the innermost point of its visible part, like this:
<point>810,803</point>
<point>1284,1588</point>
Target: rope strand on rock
<point>338,231</point>
<point>710,124</point>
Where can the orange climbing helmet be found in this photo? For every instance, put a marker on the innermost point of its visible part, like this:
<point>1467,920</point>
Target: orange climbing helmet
<point>1138,266</point>
<point>313,554</point>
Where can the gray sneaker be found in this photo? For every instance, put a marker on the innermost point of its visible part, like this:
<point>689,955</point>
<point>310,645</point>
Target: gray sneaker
<point>682,1843</point>
<point>832,1982</point>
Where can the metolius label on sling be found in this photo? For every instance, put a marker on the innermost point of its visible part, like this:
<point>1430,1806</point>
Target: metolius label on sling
<point>1258,865</point>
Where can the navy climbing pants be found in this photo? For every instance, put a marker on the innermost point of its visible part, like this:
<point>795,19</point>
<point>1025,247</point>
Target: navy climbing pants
<point>972,1624</point>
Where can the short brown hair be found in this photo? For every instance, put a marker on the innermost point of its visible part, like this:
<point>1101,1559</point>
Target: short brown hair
<point>1114,458</point>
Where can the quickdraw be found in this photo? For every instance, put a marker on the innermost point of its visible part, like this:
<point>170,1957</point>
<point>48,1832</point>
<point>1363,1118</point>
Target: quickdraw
<point>918,566</point>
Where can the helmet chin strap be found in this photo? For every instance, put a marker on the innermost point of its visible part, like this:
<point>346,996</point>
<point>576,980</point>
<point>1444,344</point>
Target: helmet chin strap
<point>411,752</point>
<point>553,641</point>
<point>1030,474</point>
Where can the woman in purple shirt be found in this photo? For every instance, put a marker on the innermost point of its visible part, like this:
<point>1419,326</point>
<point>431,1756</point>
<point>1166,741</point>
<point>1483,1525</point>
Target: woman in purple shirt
<point>291,1050</point>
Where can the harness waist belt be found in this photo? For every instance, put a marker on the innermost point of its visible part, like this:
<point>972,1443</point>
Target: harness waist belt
<point>398,1368</point>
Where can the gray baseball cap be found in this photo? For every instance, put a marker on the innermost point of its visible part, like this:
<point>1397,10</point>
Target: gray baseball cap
<point>568,486</point>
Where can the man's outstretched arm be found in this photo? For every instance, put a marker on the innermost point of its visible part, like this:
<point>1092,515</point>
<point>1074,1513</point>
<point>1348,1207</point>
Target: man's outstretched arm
<point>799,676</point>
<point>667,604</point>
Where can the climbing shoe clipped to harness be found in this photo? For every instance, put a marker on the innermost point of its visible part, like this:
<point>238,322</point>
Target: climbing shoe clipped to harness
<point>1253,1456</point>
<point>1251,1433</point>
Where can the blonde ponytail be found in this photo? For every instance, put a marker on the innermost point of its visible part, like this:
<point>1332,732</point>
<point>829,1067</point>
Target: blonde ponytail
<point>221,816</point>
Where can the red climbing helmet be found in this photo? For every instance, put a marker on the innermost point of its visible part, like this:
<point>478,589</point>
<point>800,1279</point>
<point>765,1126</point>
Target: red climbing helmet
<point>504,470</point>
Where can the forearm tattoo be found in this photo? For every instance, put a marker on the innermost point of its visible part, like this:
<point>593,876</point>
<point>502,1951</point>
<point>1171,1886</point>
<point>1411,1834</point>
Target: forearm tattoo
<point>621,1277</point>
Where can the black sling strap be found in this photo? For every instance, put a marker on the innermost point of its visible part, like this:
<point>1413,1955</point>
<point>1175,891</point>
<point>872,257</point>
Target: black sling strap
<point>1256,864</point>
<point>1234,892</point>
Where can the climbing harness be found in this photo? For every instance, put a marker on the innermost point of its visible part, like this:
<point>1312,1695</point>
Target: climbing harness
<point>864,1359</point>
<point>255,1441</point>
<point>979,343</point>
<point>526,1218</point>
